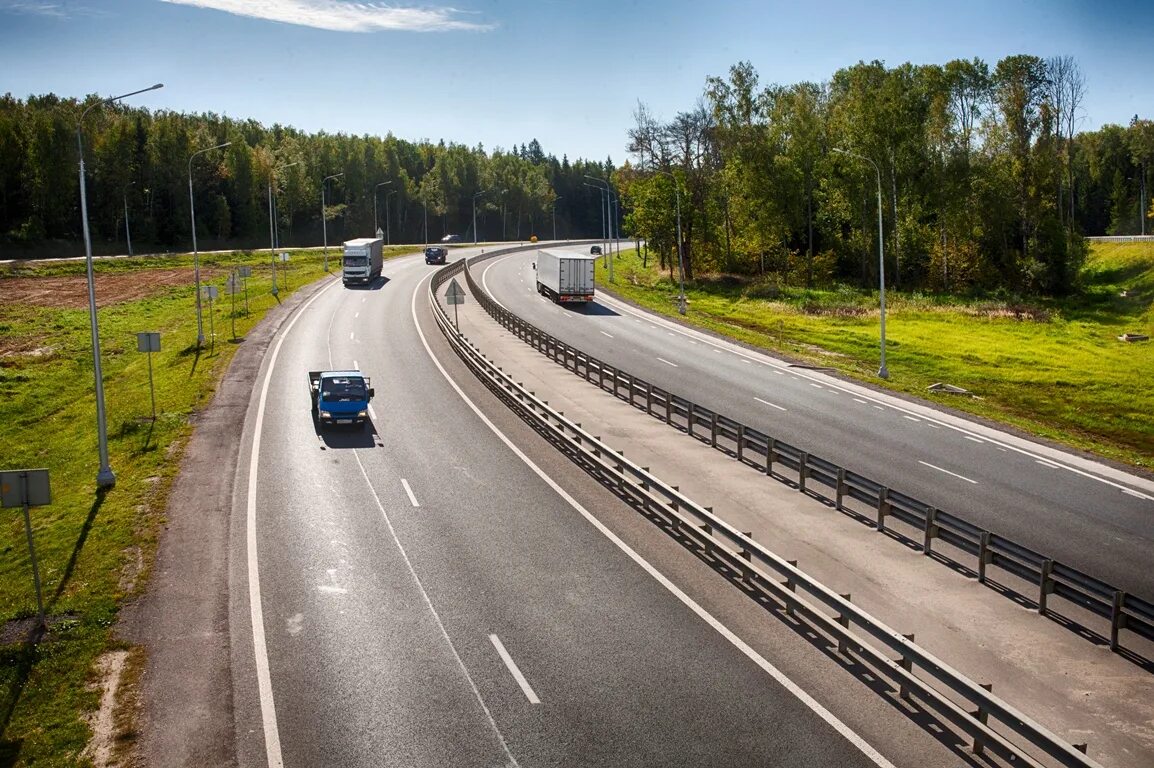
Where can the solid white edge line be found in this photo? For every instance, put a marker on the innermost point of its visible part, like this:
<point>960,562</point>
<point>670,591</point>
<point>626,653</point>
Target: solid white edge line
<point>1135,494</point>
<point>846,732</point>
<point>514,670</point>
<point>771,405</point>
<point>256,611</point>
<point>948,472</point>
<point>408,490</point>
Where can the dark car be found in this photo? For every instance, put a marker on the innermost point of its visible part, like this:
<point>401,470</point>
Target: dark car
<point>451,239</point>
<point>435,254</point>
<point>595,250</point>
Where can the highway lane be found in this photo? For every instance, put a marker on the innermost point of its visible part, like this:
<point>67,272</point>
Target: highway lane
<point>427,599</point>
<point>1084,514</point>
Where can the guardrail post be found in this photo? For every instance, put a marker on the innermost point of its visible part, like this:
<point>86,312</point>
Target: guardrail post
<point>931,531</point>
<point>1117,618</point>
<point>791,586</point>
<point>648,398</point>
<point>840,487</point>
<point>691,411</point>
<point>740,442</point>
<point>983,717</point>
<point>844,621</point>
<point>600,375</point>
<point>770,450</point>
<point>1045,585</point>
<point>668,408</point>
<point>802,471</point>
<point>906,663</point>
<point>883,507</point>
<point>713,430</point>
<point>985,556</point>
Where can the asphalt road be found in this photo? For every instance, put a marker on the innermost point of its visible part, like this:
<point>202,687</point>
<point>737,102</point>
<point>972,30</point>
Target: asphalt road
<point>418,594</point>
<point>1082,513</point>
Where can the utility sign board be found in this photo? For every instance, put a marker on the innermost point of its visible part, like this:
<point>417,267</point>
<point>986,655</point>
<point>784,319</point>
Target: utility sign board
<point>244,271</point>
<point>284,256</point>
<point>380,234</point>
<point>233,285</point>
<point>455,295</point>
<point>210,292</point>
<point>25,486</point>
<point>147,342</point>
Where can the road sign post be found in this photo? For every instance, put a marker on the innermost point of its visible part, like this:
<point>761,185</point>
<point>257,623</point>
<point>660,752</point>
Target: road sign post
<point>232,287</point>
<point>28,488</point>
<point>211,292</point>
<point>149,342</point>
<point>245,273</point>
<point>284,257</point>
<point>455,296</point>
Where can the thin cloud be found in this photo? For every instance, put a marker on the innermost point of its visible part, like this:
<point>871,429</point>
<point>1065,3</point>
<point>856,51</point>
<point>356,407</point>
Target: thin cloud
<point>34,9</point>
<point>340,16</point>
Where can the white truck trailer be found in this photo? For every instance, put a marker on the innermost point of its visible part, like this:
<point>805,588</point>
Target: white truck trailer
<point>362,260</point>
<point>565,276</point>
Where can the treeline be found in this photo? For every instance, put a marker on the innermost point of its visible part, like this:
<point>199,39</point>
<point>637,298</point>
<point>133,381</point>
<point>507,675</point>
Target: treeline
<point>985,181</point>
<point>138,164</point>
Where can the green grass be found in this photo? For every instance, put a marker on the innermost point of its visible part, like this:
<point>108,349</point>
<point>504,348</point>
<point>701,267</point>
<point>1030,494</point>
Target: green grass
<point>1051,368</point>
<point>88,544</point>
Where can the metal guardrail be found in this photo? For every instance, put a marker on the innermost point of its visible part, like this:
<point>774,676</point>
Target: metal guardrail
<point>915,673</point>
<point>750,446</point>
<point>1122,239</point>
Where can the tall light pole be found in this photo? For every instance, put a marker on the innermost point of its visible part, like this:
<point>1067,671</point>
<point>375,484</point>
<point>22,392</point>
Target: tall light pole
<point>127,231</point>
<point>680,251</point>
<point>561,197</point>
<point>376,226</point>
<point>324,219</point>
<point>388,236</point>
<point>425,203</point>
<point>605,213</point>
<point>271,231</point>
<point>195,253</point>
<point>475,196</point>
<point>883,372</point>
<point>104,476</point>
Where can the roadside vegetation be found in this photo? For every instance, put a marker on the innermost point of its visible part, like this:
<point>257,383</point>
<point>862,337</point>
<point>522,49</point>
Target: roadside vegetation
<point>95,549</point>
<point>1054,368</point>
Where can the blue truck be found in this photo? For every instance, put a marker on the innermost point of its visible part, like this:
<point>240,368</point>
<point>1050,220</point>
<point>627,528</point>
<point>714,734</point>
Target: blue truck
<point>340,397</point>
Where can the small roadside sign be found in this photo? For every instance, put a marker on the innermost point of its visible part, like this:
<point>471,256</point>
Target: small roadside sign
<point>25,487</point>
<point>455,295</point>
<point>380,233</point>
<point>210,292</point>
<point>233,284</point>
<point>284,256</point>
<point>244,271</point>
<point>148,342</point>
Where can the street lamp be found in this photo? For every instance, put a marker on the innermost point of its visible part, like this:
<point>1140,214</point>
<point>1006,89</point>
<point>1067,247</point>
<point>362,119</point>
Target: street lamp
<point>561,197</point>
<point>195,253</point>
<point>127,231</point>
<point>271,233</point>
<point>104,476</point>
<point>377,227</point>
<point>475,196</point>
<point>604,213</point>
<point>883,372</point>
<point>324,219</point>
<point>680,251</point>
<point>388,237</point>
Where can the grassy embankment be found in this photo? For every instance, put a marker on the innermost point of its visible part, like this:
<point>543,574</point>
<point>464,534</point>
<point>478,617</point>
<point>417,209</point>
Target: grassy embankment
<point>94,549</point>
<point>1053,368</point>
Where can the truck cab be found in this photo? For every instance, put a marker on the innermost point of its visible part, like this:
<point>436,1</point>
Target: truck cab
<point>340,397</point>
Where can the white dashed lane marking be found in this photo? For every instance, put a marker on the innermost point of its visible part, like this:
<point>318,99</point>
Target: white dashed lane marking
<point>948,472</point>
<point>771,405</point>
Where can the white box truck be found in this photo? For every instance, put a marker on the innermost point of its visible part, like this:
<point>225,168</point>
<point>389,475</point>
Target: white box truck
<point>362,260</point>
<point>565,276</point>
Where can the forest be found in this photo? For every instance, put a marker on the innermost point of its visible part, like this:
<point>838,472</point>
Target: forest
<point>984,181</point>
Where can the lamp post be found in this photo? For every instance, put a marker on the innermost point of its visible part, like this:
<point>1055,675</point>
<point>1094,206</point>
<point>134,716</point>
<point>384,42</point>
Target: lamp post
<point>561,197</point>
<point>475,196</point>
<point>425,204</point>
<point>195,253</point>
<point>127,231</point>
<point>271,233</point>
<point>324,219</point>
<point>605,212</point>
<point>105,478</point>
<point>376,226</point>
<point>388,237</point>
<point>883,372</point>
<point>680,251</point>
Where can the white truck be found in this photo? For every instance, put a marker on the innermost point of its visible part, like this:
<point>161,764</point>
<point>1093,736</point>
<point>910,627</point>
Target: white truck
<point>362,260</point>
<point>565,276</point>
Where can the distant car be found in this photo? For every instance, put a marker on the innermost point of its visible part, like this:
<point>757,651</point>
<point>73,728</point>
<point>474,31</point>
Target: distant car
<point>595,250</point>
<point>435,254</point>
<point>451,239</point>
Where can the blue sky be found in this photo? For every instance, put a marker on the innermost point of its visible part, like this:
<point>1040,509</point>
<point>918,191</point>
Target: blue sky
<point>502,72</point>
